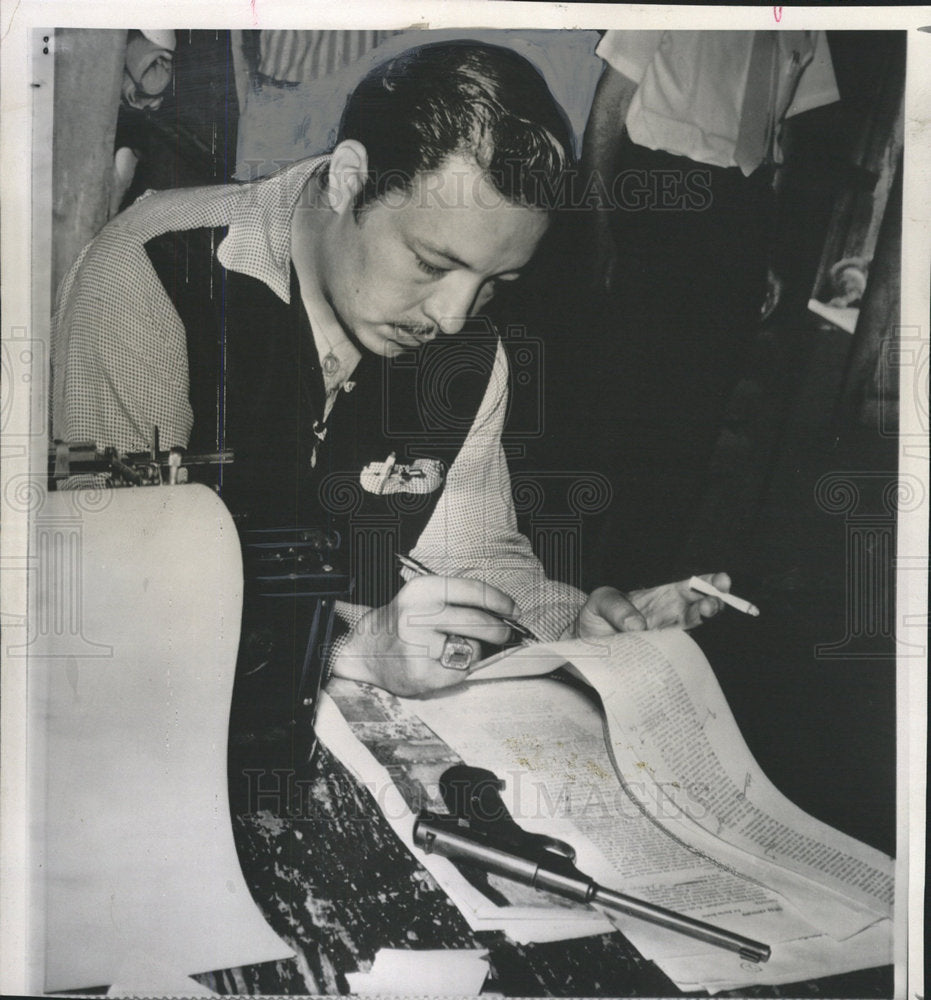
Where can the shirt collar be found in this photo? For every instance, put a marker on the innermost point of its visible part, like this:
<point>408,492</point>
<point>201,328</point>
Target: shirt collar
<point>258,242</point>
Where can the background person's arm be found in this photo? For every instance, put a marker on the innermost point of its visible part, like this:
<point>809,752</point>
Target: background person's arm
<point>600,146</point>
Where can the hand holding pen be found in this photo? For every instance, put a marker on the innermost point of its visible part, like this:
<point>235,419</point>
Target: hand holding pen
<point>458,652</point>
<point>418,567</point>
<point>429,635</point>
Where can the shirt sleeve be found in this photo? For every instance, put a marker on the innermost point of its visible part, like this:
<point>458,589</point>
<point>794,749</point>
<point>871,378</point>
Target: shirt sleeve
<point>119,350</point>
<point>473,531</point>
<point>817,85</point>
<point>629,52</point>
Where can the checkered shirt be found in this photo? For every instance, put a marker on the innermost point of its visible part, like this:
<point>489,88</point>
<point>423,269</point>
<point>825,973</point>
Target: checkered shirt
<point>120,369</point>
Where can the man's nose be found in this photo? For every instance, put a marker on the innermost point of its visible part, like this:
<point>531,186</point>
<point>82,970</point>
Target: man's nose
<point>452,302</point>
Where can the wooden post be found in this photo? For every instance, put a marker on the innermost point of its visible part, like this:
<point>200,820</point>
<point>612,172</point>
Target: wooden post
<point>240,67</point>
<point>870,390</point>
<point>88,75</point>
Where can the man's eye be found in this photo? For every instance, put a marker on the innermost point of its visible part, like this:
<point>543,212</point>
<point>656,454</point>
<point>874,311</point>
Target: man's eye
<point>428,268</point>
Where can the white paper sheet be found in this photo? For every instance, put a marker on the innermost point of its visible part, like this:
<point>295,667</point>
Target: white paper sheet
<point>133,700</point>
<point>433,973</point>
<point>790,962</point>
<point>668,713</point>
<point>672,741</point>
<point>141,976</point>
<point>676,745</point>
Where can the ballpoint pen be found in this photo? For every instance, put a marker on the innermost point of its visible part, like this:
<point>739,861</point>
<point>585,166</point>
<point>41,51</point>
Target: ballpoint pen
<point>415,566</point>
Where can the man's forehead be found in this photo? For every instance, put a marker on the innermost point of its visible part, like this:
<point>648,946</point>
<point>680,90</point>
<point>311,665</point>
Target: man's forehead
<point>458,182</point>
<point>457,212</point>
<point>483,238</point>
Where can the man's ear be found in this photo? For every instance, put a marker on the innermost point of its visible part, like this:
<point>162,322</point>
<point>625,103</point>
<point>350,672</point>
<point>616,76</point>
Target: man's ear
<point>347,174</point>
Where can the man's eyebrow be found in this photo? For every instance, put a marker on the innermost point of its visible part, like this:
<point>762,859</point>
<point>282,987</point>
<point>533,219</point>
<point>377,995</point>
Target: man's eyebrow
<point>419,244</point>
<point>436,251</point>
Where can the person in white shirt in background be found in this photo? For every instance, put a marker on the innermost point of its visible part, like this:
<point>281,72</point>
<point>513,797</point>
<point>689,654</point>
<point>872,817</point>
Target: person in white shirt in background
<point>683,138</point>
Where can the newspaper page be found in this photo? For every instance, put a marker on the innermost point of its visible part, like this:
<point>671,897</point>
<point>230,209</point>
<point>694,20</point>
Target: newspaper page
<point>655,854</point>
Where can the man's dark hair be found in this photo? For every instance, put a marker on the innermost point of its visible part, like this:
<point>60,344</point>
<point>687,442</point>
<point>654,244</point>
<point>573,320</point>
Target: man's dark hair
<point>465,98</point>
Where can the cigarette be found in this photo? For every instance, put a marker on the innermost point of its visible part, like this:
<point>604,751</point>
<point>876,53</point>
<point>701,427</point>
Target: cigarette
<point>704,587</point>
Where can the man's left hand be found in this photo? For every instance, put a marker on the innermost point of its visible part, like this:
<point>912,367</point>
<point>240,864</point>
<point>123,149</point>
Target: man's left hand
<point>671,605</point>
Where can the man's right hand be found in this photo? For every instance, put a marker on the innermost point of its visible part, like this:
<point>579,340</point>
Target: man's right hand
<point>398,646</point>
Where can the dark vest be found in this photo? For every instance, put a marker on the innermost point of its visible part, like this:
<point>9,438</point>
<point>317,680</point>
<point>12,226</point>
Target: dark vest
<point>256,388</point>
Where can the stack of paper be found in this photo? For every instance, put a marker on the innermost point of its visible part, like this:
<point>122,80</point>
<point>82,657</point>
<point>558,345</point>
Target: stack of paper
<point>652,784</point>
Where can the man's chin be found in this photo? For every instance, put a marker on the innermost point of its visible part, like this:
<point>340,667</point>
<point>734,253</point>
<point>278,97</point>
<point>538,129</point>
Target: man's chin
<point>392,348</point>
<point>388,346</point>
<point>373,342</point>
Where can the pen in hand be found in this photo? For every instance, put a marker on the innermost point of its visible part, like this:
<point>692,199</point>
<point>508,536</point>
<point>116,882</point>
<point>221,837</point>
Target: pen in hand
<point>415,566</point>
